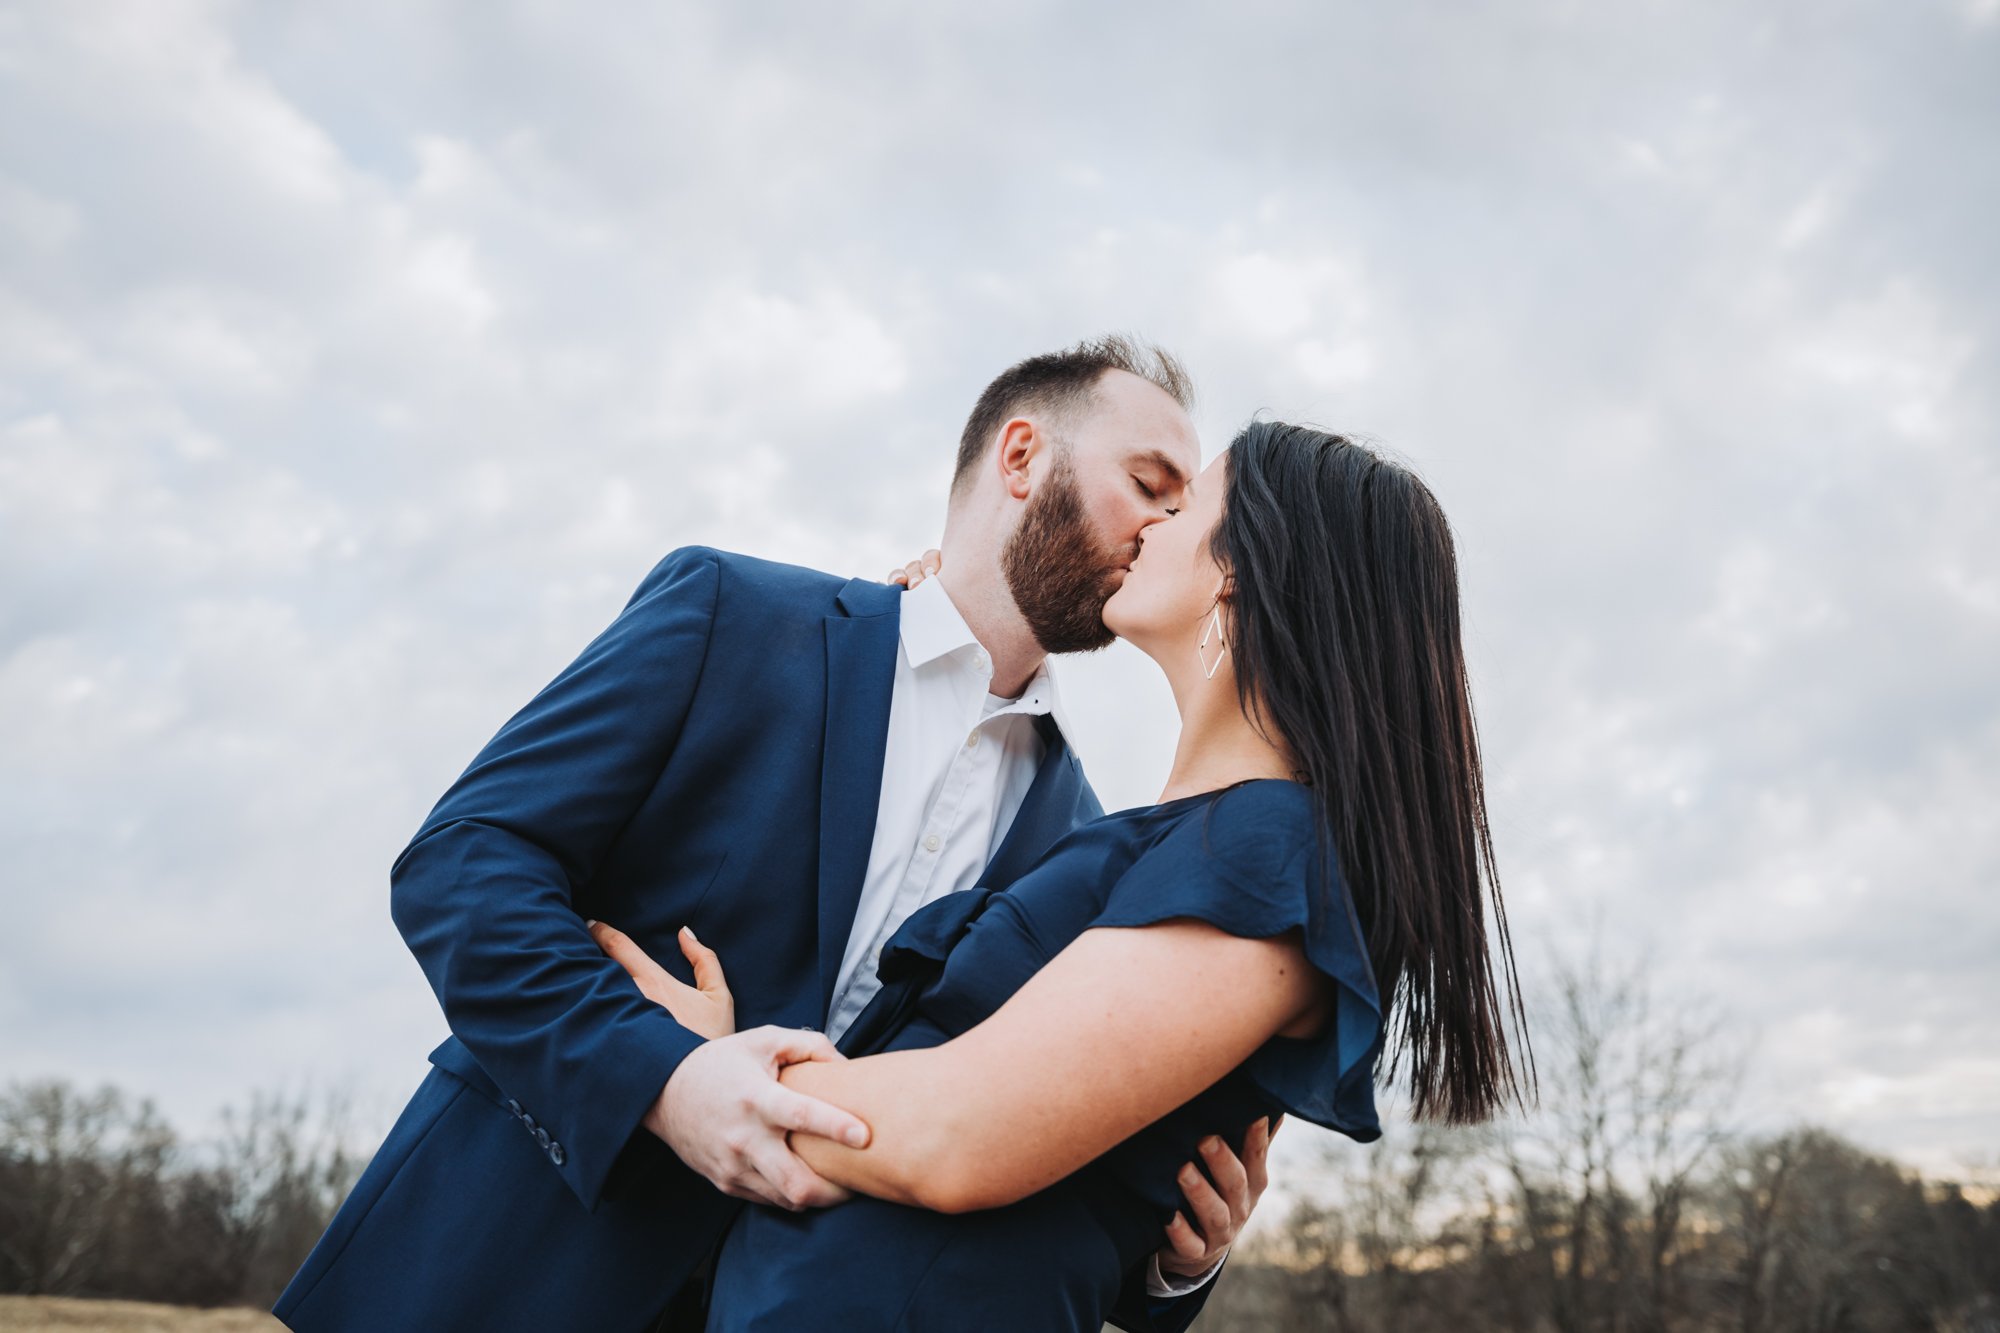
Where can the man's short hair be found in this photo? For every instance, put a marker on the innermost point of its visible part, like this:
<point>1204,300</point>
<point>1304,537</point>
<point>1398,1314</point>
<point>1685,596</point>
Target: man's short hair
<point>1063,384</point>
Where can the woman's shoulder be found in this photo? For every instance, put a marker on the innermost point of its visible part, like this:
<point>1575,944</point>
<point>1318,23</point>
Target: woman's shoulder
<point>1268,866</point>
<point>1241,858</point>
<point>1254,860</point>
<point>1253,832</point>
<point>1262,809</point>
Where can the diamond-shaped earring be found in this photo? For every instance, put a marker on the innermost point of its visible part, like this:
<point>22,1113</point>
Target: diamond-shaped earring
<point>1214,631</point>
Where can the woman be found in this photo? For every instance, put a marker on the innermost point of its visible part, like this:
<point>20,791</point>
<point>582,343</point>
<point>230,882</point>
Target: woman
<point>1306,892</point>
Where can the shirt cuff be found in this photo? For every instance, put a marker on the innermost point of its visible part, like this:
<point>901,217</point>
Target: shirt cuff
<point>1159,1284</point>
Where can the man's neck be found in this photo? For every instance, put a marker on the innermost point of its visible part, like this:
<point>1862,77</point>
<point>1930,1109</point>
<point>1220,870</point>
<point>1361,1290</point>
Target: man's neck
<point>979,590</point>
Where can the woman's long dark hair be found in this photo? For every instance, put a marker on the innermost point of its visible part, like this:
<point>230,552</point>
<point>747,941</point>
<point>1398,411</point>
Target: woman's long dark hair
<point>1344,630</point>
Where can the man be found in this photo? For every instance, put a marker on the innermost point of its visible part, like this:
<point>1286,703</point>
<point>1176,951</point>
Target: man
<point>789,764</point>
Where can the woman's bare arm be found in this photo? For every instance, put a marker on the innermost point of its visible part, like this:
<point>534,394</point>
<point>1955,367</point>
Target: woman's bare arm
<point>1121,1027</point>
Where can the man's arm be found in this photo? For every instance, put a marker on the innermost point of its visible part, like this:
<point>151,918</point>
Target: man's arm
<point>483,898</point>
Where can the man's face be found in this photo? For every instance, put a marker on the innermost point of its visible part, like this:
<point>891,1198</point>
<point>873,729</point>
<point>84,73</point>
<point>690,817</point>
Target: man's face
<point>1125,467</point>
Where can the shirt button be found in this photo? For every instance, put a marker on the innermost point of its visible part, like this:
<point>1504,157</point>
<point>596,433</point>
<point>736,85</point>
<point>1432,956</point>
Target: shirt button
<point>931,843</point>
<point>979,660</point>
<point>972,740</point>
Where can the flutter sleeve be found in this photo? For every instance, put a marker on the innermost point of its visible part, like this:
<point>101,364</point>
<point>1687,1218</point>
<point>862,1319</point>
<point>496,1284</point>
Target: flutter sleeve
<point>911,961</point>
<point>1252,863</point>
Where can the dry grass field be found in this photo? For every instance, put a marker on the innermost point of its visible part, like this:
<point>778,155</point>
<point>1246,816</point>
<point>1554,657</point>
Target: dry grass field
<point>20,1313</point>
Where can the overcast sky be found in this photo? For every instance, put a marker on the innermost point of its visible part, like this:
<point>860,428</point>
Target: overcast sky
<point>357,360</point>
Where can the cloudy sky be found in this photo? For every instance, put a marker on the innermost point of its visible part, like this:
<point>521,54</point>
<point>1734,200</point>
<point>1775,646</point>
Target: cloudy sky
<point>357,360</point>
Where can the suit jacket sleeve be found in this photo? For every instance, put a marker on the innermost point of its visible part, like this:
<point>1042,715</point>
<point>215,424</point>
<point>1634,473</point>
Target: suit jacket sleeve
<point>482,895</point>
<point>1138,1311</point>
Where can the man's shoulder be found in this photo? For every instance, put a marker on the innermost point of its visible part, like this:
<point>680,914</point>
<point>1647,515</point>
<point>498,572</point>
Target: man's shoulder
<point>773,577</point>
<point>749,581</point>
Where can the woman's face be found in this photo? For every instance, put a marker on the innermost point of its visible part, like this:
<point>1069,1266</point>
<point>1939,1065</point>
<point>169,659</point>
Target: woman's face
<point>1171,585</point>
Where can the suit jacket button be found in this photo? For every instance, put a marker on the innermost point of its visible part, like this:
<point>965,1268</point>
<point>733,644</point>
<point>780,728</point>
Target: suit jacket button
<point>513,1106</point>
<point>556,1153</point>
<point>542,1136</point>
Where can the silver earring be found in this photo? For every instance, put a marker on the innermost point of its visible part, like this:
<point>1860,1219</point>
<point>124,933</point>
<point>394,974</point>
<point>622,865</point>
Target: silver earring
<point>1214,630</point>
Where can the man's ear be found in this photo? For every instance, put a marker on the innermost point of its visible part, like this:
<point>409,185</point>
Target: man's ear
<point>1020,443</point>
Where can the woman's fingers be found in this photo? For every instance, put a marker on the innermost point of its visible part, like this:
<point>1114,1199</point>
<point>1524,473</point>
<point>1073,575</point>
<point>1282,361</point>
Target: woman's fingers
<point>618,946</point>
<point>653,981</point>
<point>708,977</point>
<point>711,1015</point>
<point>918,570</point>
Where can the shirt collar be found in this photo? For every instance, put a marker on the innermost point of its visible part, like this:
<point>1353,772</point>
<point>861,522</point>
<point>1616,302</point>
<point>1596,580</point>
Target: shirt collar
<point>1040,695</point>
<point>932,627</point>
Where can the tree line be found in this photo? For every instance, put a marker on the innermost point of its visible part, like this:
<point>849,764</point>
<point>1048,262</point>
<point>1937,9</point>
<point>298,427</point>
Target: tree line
<point>1625,1201</point>
<point>100,1197</point>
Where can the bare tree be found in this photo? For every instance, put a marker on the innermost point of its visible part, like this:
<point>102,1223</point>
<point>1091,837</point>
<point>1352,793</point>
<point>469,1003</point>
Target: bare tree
<point>57,1204</point>
<point>280,1172</point>
<point>98,1196</point>
<point>1829,1237</point>
<point>1635,1100</point>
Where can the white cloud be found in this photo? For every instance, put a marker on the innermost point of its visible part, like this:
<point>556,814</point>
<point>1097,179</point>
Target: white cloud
<point>792,356</point>
<point>224,341</point>
<point>351,374</point>
<point>442,274</point>
<point>1895,353</point>
<point>34,220</point>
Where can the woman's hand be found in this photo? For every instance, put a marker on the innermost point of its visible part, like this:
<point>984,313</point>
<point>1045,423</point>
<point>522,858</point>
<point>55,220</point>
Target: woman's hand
<point>706,1007</point>
<point>917,571</point>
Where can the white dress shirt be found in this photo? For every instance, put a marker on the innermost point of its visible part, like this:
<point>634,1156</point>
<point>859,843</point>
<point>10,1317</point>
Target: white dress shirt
<point>958,763</point>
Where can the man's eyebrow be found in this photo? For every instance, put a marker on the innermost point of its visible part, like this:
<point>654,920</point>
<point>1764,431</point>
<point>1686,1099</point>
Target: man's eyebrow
<point>1159,459</point>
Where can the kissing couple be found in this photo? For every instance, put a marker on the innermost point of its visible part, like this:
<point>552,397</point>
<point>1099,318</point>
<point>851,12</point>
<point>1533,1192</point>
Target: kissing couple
<point>798,980</point>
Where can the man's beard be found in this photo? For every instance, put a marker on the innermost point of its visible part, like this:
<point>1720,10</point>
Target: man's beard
<point>1059,573</point>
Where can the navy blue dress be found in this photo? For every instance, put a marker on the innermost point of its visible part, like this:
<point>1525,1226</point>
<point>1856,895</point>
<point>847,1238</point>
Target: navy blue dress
<point>1245,859</point>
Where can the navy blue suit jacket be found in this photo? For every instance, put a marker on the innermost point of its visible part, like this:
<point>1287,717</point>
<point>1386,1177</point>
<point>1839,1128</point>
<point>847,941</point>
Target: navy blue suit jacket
<point>712,759</point>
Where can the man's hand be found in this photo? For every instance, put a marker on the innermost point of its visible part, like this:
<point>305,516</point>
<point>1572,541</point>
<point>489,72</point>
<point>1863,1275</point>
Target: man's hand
<point>912,574</point>
<point>1221,1209</point>
<point>726,1115</point>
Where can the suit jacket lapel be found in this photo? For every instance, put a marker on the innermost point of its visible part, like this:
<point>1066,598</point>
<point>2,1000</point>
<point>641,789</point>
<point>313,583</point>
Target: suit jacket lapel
<point>1046,811</point>
<point>861,649</point>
